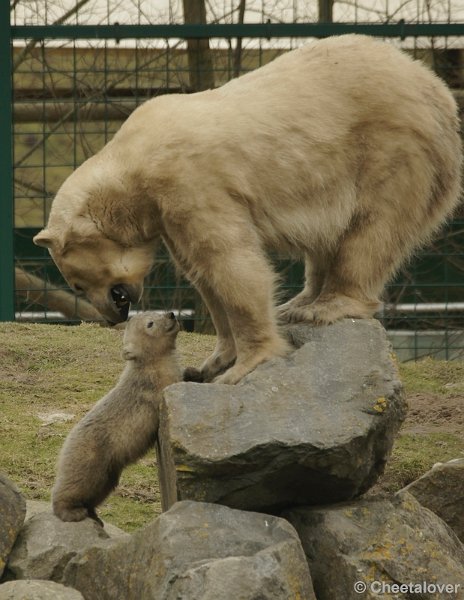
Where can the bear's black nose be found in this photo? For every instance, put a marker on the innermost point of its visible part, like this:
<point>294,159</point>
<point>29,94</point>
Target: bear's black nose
<point>121,298</point>
<point>171,315</point>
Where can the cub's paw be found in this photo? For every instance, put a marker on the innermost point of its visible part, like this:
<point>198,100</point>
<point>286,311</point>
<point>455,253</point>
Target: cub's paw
<point>70,513</point>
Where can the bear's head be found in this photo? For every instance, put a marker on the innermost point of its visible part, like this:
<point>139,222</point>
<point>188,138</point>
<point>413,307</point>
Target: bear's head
<point>97,235</point>
<point>109,275</point>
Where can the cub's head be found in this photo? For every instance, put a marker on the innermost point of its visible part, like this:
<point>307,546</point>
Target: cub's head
<point>108,274</point>
<point>150,335</point>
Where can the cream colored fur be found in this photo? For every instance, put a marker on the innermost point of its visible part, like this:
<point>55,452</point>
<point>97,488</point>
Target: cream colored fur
<point>345,152</point>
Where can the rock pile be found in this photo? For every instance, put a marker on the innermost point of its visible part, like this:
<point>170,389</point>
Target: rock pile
<point>193,551</point>
<point>259,484</point>
<point>382,547</point>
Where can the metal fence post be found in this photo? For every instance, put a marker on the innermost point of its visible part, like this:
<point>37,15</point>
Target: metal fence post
<point>6,170</point>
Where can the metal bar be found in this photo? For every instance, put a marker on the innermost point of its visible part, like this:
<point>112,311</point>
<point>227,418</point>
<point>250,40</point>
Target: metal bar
<point>426,307</point>
<point>118,108</point>
<point>247,30</point>
<point>6,170</point>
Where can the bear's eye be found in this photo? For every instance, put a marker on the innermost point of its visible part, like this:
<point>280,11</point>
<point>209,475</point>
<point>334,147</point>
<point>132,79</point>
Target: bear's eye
<point>150,324</point>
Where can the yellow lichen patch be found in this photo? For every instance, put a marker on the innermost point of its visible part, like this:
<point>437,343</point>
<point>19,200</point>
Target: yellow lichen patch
<point>380,404</point>
<point>185,469</point>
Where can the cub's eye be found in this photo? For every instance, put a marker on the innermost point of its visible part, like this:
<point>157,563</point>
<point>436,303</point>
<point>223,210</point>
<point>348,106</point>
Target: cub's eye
<point>150,324</point>
<point>78,290</point>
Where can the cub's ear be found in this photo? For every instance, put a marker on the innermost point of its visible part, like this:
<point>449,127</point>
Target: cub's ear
<point>44,239</point>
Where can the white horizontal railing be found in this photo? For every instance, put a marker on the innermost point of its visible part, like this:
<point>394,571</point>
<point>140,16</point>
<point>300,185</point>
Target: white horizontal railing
<point>412,307</point>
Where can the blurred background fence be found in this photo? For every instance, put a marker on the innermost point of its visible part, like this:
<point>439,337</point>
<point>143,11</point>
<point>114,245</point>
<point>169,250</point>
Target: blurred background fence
<point>79,68</point>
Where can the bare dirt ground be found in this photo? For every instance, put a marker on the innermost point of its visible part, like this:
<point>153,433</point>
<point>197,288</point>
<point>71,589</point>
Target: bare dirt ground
<point>433,413</point>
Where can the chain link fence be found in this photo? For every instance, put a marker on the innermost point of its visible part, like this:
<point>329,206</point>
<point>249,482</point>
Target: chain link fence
<point>78,69</point>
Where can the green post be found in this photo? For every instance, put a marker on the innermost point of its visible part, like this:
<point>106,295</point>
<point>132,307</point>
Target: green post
<point>6,170</point>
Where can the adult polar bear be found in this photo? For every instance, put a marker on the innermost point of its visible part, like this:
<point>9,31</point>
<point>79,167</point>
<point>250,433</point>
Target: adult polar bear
<point>345,152</point>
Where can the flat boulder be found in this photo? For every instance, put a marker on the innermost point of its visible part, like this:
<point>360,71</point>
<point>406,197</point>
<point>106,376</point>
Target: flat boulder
<point>380,547</point>
<point>46,544</point>
<point>314,427</point>
<point>12,514</point>
<point>30,589</point>
<point>442,491</point>
<point>197,551</point>
<point>35,507</point>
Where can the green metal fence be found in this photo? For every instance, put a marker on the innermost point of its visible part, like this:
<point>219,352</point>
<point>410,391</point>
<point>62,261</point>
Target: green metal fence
<point>64,91</point>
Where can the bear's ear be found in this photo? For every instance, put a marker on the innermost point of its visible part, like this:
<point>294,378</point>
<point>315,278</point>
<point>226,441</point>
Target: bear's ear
<point>44,239</point>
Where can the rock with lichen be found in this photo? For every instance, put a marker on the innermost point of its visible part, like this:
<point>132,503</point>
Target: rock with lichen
<point>314,427</point>
<point>442,491</point>
<point>380,548</point>
<point>12,514</point>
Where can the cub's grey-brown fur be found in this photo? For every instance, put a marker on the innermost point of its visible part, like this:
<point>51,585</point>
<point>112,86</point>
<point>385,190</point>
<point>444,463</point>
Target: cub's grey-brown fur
<point>123,425</point>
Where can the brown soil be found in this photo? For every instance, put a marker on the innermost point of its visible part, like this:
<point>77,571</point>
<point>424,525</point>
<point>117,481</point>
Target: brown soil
<point>433,413</point>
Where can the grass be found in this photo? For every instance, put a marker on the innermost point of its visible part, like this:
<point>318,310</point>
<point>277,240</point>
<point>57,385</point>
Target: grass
<point>434,377</point>
<point>50,369</point>
<point>414,454</point>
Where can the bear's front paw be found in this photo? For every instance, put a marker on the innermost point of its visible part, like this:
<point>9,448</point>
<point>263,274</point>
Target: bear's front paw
<point>192,374</point>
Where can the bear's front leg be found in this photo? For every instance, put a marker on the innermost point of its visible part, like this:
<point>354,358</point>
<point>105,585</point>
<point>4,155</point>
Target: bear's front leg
<point>229,262</point>
<point>225,353</point>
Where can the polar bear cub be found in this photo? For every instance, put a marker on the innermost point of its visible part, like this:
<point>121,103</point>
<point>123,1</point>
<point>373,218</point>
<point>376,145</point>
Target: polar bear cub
<point>123,425</point>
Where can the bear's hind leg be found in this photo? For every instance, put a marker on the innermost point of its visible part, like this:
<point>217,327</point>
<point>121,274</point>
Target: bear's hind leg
<point>316,267</point>
<point>368,254</point>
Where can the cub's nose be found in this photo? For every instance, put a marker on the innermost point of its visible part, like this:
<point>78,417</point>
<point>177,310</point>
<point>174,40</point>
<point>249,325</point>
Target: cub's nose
<point>171,315</point>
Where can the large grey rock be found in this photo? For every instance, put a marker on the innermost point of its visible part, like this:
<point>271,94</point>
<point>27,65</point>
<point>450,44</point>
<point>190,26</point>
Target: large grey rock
<point>369,548</point>
<point>12,513</point>
<point>198,551</point>
<point>315,427</point>
<point>45,545</point>
<point>31,589</point>
<point>442,491</point>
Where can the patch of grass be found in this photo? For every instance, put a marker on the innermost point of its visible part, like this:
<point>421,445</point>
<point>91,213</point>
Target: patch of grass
<point>431,376</point>
<point>414,454</point>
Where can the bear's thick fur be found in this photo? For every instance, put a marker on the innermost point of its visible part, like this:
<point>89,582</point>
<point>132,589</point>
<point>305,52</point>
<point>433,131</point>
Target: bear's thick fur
<point>123,425</point>
<point>345,152</point>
